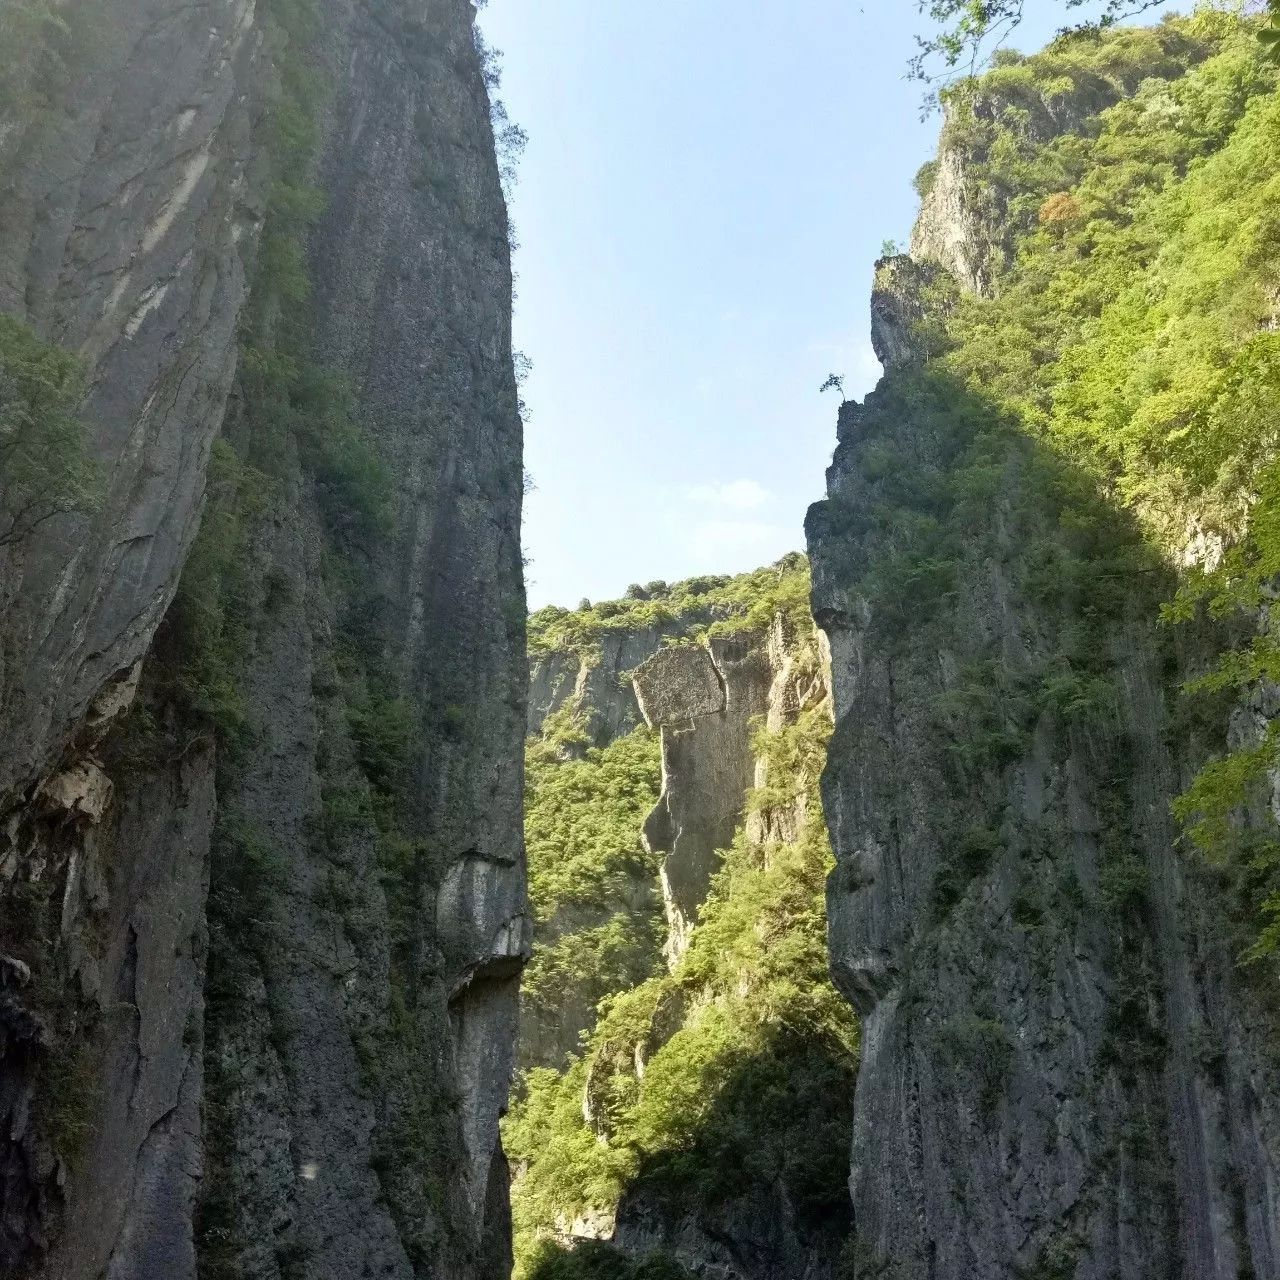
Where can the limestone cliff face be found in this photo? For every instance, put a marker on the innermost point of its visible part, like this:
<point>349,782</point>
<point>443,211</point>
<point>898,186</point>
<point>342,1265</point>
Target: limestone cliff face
<point>1065,1070</point>
<point>258,994</point>
<point>703,699</point>
<point>741,713</point>
<point>597,684</point>
<point>1061,1065</point>
<point>127,213</point>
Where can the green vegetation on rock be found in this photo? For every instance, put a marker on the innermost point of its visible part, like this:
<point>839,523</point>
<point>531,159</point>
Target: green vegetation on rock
<point>591,883</point>
<point>45,468</point>
<point>709,605</point>
<point>1126,363</point>
<point>731,1073</point>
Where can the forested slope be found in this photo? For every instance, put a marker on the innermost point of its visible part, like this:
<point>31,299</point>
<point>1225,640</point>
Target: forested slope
<point>1045,566</point>
<point>703,1120</point>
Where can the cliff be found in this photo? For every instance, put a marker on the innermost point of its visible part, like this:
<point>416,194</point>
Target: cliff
<point>1050,783</point>
<point>262,862</point>
<point>693,1126</point>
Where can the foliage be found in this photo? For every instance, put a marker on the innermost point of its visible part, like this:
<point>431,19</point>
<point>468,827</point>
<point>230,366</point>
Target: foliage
<point>45,467</point>
<point>969,32</point>
<point>688,610</point>
<point>583,818</point>
<point>834,383</point>
<point>748,1051</point>
<point>33,41</point>
<point>594,1260</point>
<point>590,878</point>
<point>1132,334</point>
<point>1139,339</point>
<point>210,620</point>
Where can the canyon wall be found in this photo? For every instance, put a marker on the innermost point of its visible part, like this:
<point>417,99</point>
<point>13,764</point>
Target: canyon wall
<point>1068,1069</point>
<point>683,1040</point>
<point>262,864</point>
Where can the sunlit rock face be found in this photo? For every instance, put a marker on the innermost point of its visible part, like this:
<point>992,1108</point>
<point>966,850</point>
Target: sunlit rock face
<point>258,989</point>
<point>703,699</point>
<point>909,301</point>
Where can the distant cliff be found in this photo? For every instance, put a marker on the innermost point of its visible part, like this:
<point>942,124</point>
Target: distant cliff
<point>262,623</point>
<point>1044,568</point>
<point>692,1127</point>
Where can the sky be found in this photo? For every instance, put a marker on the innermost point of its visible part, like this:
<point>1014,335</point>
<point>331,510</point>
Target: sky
<point>706,187</point>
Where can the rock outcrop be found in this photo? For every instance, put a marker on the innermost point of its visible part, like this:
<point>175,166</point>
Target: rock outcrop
<point>1065,1069</point>
<point>970,224</point>
<point>740,1032</point>
<point>703,699</point>
<point>909,302</point>
<point>595,684</point>
<point>261,871</point>
<point>129,212</point>
<point>1060,1066</point>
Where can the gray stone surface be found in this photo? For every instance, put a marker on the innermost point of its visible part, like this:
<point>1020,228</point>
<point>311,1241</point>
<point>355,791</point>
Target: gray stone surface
<point>126,209</point>
<point>411,306</point>
<point>596,683</point>
<point>703,699</point>
<point>753,1237</point>
<point>1047,1081</point>
<point>125,980</point>
<point>906,295</point>
<point>357,1051</point>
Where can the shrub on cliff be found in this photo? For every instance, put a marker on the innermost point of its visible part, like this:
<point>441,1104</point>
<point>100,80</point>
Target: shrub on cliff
<point>45,468</point>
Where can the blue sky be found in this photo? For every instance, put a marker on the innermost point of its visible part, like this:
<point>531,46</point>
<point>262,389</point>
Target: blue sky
<point>706,187</point>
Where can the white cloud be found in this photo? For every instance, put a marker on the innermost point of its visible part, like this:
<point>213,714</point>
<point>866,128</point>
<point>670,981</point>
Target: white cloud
<point>735,495</point>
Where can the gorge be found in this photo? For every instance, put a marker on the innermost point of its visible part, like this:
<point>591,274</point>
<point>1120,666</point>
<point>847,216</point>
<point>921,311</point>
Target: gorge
<point>908,909</point>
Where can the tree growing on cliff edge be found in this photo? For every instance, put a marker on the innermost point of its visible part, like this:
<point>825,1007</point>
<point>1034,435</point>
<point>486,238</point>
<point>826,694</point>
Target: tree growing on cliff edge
<point>834,383</point>
<point>967,31</point>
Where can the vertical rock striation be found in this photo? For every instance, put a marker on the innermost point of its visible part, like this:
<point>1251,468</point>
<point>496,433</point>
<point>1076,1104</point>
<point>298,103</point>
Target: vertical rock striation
<point>261,871</point>
<point>128,211</point>
<point>363,1061</point>
<point>1065,1070</point>
<point>704,700</point>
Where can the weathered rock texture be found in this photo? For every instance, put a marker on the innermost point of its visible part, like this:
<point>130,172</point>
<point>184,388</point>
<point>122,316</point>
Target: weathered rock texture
<point>1065,1072</point>
<point>1060,1066</point>
<point>703,699</point>
<point>909,299</point>
<point>125,213</point>
<point>969,224</point>
<point>724,788</point>
<point>589,690</point>
<point>336,1113</point>
<point>597,683</point>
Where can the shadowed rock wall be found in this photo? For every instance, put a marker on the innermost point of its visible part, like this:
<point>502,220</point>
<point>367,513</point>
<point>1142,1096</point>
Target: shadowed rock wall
<point>324,1099</point>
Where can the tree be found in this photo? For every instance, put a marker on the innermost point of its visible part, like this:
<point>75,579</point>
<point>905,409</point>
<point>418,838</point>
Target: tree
<point>834,383</point>
<point>969,31</point>
<point>45,470</point>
